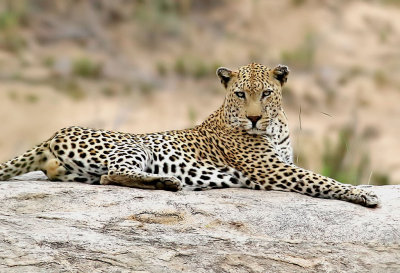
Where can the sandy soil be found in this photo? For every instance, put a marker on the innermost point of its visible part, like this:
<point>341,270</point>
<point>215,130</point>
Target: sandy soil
<point>344,61</point>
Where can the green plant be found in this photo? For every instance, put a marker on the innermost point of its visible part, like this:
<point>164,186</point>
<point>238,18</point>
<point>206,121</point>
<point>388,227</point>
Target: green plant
<point>12,41</point>
<point>391,2</point>
<point>127,89</point>
<point>48,61</point>
<point>161,68</point>
<point>200,69</point>
<point>380,78</point>
<point>180,67</point>
<point>108,91</point>
<point>380,179</point>
<point>11,20</point>
<point>85,67</point>
<point>193,66</point>
<point>159,19</point>
<point>70,88</point>
<point>146,88</point>
<point>32,98</point>
<point>74,91</point>
<point>13,14</point>
<point>298,3</point>
<point>384,33</point>
<point>345,161</point>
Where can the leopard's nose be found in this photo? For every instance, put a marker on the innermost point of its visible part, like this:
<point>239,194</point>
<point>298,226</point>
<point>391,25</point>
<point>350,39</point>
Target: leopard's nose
<point>254,120</point>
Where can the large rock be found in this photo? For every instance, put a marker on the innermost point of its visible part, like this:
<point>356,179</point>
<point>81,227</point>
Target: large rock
<point>72,227</point>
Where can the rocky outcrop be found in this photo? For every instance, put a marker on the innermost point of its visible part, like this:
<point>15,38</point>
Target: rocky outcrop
<point>71,227</point>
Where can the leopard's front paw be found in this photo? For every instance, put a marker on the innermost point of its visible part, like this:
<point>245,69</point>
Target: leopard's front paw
<point>366,198</point>
<point>105,180</point>
<point>370,199</point>
<point>169,184</point>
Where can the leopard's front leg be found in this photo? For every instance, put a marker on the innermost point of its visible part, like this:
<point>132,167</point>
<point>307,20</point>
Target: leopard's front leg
<point>279,136</point>
<point>126,167</point>
<point>284,177</point>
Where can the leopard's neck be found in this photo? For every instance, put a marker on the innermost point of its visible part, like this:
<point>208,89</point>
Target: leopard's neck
<point>217,124</point>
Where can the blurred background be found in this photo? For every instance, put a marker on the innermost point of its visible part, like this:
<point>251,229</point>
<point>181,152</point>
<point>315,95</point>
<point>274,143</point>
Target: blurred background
<point>143,66</point>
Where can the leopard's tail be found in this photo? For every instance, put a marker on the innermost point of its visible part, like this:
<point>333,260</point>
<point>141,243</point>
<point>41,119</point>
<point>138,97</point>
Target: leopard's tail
<point>32,160</point>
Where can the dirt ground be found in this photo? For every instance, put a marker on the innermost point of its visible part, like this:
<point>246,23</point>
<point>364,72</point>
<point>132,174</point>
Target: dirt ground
<point>138,66</point>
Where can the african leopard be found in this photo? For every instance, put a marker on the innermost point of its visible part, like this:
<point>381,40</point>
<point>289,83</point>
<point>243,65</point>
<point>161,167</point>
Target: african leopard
<point>245,143</point>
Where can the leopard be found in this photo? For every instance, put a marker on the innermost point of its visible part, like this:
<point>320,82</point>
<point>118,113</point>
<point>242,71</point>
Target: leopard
<point>245,143</point>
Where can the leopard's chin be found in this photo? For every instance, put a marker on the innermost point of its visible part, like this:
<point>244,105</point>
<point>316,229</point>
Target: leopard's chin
<point>255,131</point>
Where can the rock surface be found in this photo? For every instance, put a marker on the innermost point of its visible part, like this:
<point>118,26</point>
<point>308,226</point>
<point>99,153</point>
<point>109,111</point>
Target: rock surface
<point>72,227</point>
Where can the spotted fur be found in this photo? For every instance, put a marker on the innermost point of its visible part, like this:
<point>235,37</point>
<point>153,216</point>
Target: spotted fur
<point>245,143</point>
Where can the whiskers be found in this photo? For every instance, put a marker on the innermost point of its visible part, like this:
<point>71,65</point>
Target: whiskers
<point>263,124</point>
<point>236,122</point>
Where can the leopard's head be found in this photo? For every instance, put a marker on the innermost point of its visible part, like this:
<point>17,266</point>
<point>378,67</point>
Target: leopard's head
<point>253,97</point>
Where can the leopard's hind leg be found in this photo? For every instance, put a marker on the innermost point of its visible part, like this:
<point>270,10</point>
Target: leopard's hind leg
<point>126,167</point>
<point>55,170</point>
<point>32,160</point>
<point>42,158</point>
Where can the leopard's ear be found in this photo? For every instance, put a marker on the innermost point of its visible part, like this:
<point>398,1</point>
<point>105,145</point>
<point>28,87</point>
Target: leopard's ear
<point>281,73</point>
<point>225,75</point>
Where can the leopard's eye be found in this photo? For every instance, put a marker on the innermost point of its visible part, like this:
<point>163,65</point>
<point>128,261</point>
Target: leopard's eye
<point>266,93</point>
<point>240,94</point>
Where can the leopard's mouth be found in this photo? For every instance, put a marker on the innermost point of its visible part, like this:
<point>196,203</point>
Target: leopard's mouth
<point>253,129</point>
